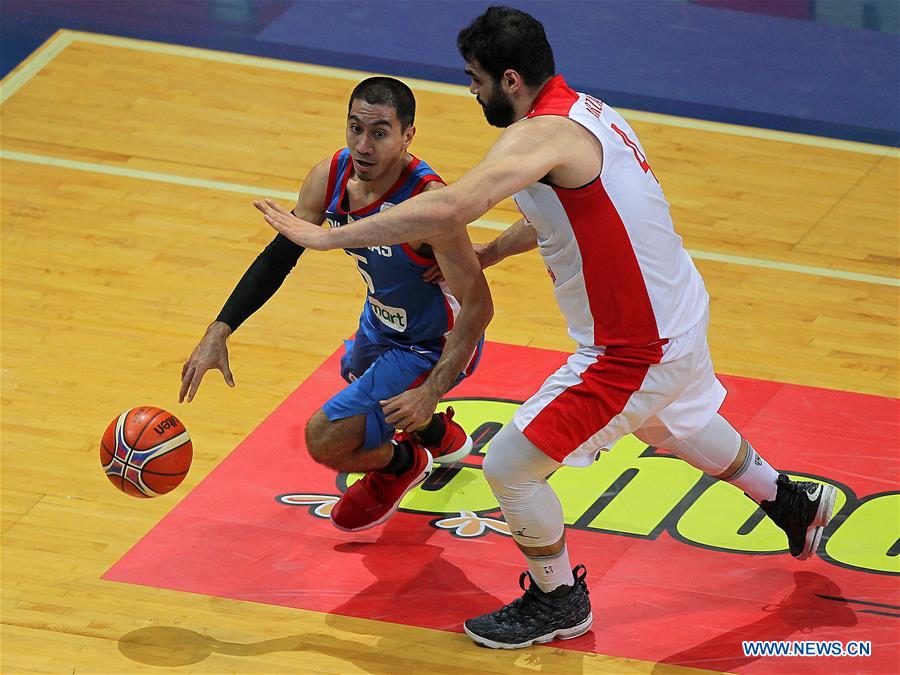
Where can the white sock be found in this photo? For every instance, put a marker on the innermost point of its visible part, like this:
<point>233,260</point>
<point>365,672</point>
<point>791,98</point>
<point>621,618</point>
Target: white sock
<point>551,571</point>
<point>756,477</point>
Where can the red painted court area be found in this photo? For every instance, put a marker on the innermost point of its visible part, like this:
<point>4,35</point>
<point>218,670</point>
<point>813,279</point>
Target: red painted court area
<point>681,569</point>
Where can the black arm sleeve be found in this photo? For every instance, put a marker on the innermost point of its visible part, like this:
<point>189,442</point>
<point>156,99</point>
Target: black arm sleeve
<point>264,276</point>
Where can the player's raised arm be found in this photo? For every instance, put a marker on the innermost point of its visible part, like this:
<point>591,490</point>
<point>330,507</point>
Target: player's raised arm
<point>264,276</point>
<point>521,156</point>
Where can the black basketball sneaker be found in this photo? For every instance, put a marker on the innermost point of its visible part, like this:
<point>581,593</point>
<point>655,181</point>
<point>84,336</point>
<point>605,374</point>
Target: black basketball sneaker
<point>802,509</point>
<point>563,613</point>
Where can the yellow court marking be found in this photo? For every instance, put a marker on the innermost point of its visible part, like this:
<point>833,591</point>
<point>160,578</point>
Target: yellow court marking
<point>489,224</point>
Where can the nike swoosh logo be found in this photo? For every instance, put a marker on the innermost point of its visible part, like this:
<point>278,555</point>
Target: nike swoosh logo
<point>813,496</point>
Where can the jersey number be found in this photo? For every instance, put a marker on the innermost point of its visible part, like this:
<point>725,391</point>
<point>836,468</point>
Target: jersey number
<point>360,261</point>
<point>638,155</point>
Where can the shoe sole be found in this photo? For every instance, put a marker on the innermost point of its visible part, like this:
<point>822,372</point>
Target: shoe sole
<point>561,634</point>
<point>823,517</point>
<point>421,479</point>
<point>457,456</point>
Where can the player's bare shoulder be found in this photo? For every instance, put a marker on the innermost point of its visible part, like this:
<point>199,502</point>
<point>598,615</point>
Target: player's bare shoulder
<point>317,178</point>
<point>556,129</point>
<point>545,134</point>
<point>566,153</point>
<point>311,200</point>
<point>579,156</point>
<point>422,246</point>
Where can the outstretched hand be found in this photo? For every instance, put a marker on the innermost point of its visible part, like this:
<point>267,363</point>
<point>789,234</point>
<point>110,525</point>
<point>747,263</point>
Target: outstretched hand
<point>301,232</point>
<point>210,353</point>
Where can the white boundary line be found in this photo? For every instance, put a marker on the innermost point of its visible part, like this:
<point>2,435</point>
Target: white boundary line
<point>139,174</point>
<point>32,66</point>
<point>56,44</point>
<point>489,224</point>
<point>458,90</point>
<point>64,38</point>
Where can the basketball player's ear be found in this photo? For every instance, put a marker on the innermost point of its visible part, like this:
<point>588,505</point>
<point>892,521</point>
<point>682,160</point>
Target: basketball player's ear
<point>408,134</point>
<point>511,80</point>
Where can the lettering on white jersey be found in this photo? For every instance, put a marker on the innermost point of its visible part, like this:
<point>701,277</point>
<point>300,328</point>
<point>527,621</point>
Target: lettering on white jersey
<point>392,317</point>
<point>594,106</point>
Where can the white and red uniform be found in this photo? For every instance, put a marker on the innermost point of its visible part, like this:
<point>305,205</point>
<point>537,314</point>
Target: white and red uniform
<point>632,297</point>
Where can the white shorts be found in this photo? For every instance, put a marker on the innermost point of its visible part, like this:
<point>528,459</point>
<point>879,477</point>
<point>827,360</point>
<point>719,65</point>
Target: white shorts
<point>602,394</point>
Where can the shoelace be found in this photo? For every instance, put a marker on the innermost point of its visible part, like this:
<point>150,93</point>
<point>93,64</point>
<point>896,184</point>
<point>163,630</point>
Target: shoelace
<point>801,487</point>
<point>518,605</point>
<point>796,486</point>
<point>533,594</point>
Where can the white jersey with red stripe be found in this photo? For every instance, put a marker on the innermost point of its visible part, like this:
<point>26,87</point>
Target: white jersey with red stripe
<point>620,272</point>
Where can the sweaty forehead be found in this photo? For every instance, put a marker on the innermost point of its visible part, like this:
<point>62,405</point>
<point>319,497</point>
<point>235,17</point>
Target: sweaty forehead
<point>373,113</point>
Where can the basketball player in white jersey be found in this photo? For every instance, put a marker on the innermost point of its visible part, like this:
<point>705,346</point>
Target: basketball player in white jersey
<point>632,298</point>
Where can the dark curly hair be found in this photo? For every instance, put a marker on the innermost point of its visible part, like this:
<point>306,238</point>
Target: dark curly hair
<point>503,38</point>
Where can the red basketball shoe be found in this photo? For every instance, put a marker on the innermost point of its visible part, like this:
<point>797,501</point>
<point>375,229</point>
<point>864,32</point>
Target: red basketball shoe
<point>455,445</point>
<point>375,497</point>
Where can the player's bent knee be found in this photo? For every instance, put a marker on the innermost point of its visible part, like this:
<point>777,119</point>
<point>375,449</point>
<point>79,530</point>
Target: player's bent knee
<point>492,470</point>
<point>324,445</point>
<point>497,468</point>
<point>513,465</point>
<point>517,472</point>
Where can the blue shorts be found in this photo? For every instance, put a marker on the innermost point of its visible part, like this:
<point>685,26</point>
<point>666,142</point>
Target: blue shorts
<point>376,373</point>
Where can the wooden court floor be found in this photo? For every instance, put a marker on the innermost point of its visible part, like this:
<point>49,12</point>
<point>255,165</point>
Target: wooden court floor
<point>127,174</point>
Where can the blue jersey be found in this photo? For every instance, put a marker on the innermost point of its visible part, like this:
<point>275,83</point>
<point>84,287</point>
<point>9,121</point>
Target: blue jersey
<point>401,309</point>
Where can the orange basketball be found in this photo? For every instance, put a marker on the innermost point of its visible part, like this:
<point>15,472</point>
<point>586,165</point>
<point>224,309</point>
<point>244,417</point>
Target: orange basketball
<point>146,452</point>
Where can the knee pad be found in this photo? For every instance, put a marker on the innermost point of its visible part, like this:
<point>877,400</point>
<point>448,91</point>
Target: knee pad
<point>513,462</point>
<point>517,472</point>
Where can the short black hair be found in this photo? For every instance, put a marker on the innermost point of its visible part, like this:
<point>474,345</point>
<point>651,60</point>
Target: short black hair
<point>387,91</point>
<point>503,38</point>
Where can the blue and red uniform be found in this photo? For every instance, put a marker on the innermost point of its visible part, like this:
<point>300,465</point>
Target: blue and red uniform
<point>404,321</point>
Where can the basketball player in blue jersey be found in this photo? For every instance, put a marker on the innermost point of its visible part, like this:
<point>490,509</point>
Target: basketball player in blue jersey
<point>414,337</point>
